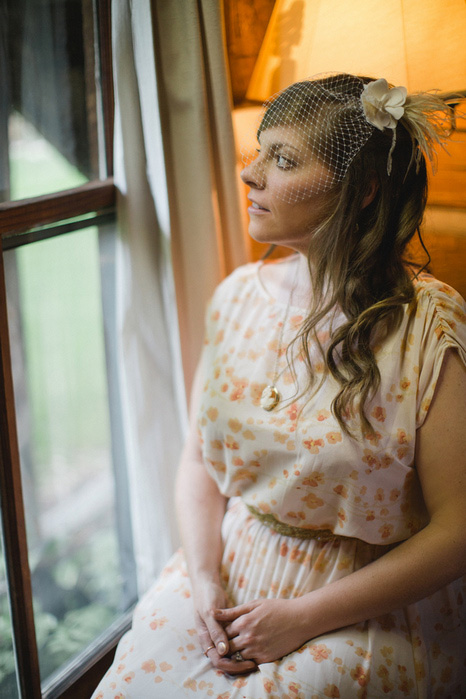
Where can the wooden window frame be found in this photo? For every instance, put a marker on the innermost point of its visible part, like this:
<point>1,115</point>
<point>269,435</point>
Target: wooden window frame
<point>37,218</point>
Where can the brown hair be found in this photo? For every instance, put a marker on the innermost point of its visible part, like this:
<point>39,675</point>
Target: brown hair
<point>358,262</point>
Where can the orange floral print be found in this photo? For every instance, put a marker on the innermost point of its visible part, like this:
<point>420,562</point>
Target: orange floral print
<point>296,464</point>
<point>269,686</point>
<point>235,425</point>
<point>314,479</point>
<point>323,415</point>
<point>379,413</point>
<point>158,623</point>
<point>312,501</point>
<point>314,445</point>
<point>341,490</point>
<point>255,391</point>
<point>319,652</point>
<point>292,411</point>
<point>386,530</point>
<point>212,414</point>
<point>149,666</point>
<point>373,437</point>
<point>190,684</point>
<point>360,675</point>
<point>230,442</point>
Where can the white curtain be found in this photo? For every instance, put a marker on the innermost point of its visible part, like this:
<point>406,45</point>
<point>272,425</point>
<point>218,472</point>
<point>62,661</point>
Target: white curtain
<point>206,226</point>
<point>180,232</point>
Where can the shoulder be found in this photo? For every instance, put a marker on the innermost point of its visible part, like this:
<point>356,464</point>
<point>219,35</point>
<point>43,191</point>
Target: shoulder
<point>437,322</point>
<point>235,289</point>
<point>439,302</point>
<point>241,279</point>
<point>426,285</point>
<point>436,319</point>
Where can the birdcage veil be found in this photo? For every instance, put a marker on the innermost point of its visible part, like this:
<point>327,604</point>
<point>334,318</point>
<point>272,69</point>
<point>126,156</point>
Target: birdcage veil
<point>323,123</point>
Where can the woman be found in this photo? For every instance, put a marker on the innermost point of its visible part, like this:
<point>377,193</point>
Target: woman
<point>321,491</point>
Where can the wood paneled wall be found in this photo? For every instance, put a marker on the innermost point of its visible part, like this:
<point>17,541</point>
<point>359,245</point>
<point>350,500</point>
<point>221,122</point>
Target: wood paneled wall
<point>245,24</point>
<point>445,227</point>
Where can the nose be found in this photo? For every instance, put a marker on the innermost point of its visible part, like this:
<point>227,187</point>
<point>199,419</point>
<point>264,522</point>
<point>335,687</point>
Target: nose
<point>253,175</point>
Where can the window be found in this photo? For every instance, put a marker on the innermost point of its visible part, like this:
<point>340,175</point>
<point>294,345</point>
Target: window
<point>67,574</point>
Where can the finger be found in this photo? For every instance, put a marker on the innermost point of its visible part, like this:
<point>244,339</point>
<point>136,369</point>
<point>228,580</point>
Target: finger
<point>207,637</point>
<point>231,631</point>
<point>236,645</point>
<point>230,666</point>
<point>233,612</point>
<point>217,635</point>
<point>206,643</point>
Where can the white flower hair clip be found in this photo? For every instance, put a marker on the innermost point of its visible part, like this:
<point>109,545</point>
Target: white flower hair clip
<point>426,117</point>
<point>383,105</point>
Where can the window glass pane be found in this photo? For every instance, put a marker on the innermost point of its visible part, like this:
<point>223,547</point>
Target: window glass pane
<point>72,457</point>
<point>48,117</point>
<point>8,683</point>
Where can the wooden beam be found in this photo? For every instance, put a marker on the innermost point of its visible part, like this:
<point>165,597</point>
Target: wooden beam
<point>13,520</point>
<point>104,29</point>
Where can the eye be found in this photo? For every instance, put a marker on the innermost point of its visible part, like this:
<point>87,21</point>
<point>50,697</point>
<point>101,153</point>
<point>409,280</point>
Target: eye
<point>284,163</point>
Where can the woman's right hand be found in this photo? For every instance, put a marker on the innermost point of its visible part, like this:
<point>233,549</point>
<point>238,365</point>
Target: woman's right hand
<point>209,595</point>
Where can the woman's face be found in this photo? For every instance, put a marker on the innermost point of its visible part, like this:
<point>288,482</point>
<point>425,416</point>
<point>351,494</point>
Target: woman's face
<point>286,182</point>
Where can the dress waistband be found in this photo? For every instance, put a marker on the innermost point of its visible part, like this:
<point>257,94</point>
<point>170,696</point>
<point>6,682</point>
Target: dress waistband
<point>296,532</point>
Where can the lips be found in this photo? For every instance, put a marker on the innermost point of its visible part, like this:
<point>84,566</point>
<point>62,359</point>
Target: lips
<point>256,207</point>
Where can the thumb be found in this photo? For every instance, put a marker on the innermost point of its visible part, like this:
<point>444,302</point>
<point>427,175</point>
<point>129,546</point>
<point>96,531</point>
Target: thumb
<point>218,636</point>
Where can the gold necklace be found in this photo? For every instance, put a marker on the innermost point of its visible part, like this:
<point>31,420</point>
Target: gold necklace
<point>271,396</point>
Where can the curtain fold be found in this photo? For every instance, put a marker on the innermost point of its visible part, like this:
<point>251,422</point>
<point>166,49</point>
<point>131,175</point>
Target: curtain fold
<point>194,95</point>
<point>148,351</point>
<point>179,234</point>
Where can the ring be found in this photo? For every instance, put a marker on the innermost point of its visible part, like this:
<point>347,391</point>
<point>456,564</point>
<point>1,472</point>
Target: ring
<point>207,650</point>
<point>238,657</point>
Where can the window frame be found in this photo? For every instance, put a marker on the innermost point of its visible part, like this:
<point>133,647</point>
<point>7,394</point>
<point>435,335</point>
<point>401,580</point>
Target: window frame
<point>37,218</point>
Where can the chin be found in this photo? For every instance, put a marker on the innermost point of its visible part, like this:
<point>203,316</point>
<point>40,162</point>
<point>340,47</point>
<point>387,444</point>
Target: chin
<point>262,234</point>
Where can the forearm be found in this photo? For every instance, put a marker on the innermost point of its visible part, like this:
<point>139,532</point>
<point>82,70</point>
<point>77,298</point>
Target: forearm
<point>200,510</point>
<point>413,570</point>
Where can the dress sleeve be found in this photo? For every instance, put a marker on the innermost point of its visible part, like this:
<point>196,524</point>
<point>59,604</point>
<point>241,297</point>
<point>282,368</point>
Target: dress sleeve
<point>441,322</point>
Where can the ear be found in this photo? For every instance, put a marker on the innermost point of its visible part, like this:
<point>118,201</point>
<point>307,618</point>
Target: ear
<point>371,192</point>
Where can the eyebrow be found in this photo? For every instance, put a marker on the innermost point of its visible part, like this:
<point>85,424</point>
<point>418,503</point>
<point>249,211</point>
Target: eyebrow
<point>278,145</point>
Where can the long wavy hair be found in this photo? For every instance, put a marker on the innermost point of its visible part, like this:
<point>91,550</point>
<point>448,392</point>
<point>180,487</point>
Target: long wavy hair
<point>357,260</point>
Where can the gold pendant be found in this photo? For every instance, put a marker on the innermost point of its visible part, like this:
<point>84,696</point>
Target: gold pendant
<point>270,398</point>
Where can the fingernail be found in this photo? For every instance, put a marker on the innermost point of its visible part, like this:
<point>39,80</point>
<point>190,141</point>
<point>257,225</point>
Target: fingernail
<point>221,648</point>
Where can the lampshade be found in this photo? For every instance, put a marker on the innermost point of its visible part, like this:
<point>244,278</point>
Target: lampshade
<point>417,43</point>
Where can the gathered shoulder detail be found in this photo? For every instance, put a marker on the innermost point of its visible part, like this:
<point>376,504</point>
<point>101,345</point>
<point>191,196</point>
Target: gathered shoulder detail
<point>439,324</point>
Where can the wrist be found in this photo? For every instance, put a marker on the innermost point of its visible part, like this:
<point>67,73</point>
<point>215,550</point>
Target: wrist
<point>203,577</point>
<point>308,617</point>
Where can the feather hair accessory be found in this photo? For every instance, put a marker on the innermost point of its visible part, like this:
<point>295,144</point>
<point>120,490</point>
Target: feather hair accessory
<point>426,117</point>
<point>429,121</point>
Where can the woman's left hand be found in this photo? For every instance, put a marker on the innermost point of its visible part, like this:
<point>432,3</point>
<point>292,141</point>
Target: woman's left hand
<point>264,630</point>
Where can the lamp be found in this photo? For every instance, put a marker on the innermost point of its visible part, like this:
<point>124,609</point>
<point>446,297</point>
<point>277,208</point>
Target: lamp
<point>417,43</point>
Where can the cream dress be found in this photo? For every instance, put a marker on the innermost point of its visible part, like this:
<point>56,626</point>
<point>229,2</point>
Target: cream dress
<point>295,466</point>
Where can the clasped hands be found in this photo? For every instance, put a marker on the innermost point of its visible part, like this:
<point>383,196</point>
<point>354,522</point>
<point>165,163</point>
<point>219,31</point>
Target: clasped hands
<point>261,631</point>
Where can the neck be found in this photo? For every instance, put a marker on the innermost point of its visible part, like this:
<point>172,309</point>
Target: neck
<point>286,278</point>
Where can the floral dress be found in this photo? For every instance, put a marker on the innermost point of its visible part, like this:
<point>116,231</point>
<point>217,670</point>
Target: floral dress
<point>293,469</point>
